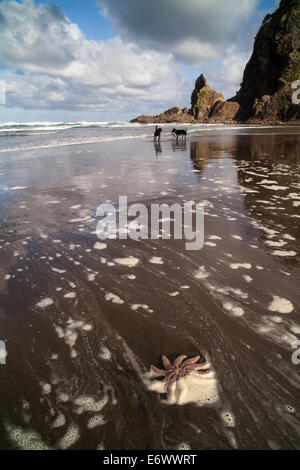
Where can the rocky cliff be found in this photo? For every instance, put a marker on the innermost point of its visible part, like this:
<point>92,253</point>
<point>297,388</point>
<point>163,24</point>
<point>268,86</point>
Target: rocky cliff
<point>266,90</point>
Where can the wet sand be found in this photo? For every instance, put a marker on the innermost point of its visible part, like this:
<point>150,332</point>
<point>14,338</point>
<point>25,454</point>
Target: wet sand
<point>82,328</point>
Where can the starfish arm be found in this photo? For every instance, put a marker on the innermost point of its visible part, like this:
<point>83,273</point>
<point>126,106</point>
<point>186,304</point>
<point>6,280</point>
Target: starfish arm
<point>179,360</point>
<point>159,372</point>
<point>169,375</point>
<point>191,361</point>
<point>167,364</point>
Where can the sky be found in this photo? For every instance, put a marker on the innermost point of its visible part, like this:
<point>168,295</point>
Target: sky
<point>101,60</point>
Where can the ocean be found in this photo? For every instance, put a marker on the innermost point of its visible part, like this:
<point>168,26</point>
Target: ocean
<point>35,135</point>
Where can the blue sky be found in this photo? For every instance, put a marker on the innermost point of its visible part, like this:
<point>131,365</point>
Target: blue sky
<point>114,59</point>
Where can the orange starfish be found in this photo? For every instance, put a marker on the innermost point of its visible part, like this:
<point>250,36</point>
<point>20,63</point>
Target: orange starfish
<point>180,368</point>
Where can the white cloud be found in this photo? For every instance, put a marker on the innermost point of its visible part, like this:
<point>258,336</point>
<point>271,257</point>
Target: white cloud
<point>188,28</point>
<point>58,67</point>
<point>208,36</point>
<point>49,64</point>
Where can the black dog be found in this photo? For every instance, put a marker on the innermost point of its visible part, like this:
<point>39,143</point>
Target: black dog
<point>178,132</point>
<point>158,131</point>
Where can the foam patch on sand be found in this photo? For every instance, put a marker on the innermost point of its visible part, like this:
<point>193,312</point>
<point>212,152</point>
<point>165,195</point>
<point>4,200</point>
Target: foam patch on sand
<point>72,435</point>
<point>156,260</point>
<point>228,419</point>
<point>183,446</point>
<point>46,388</point>
<point>25,439</point>
<point>201,273</point>
<point>280,305</point>
<point>105,354</point>
<point>136,307</point>
<point>115,299</point>
<point>247,278</point>
<point>70,295</point>
<point>44,303</point>
<point>284,253</point>
<point>236,311</point>
<point>59,421</point>
<point>58,271</point>
<point>197,388</point>
<point>70,333</point>
<point>100,246</point>
<point>240,265</point>
<point>275,244</point>
<point>95,421</point>
<point>130,261</point>
<point>87,403</point>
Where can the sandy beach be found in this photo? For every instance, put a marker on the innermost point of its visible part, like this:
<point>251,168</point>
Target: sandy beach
<point>83,320</point>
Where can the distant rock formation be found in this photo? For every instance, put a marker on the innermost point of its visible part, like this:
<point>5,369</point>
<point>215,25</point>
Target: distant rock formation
<point>266,90</point>
<point>175,114</point>
<point>203,98</point>
<point>207,106</point>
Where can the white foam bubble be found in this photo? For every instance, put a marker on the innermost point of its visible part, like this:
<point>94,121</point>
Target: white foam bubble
<point>59,421</point>
<point>130,261</point>
<point>25,439</point>
<point>72,435</point>
<point>100,246</point>
<point>201,273</point>
<point>44,303</point>
<point>95,421</point>
<point>70,295</point>
<point>284,253</point>
<point>115,299</point>
<point>274,243</point>
<point>247,278</point>
<point>105,354</point>
<point>236,311</point>
<point>156,260</point>
<point>86,403</point>
<point>136,307</point>
<point>46,388</point>
<point>228,419</point>
<point>280,305</point>
<point>58,271</point>
<point>183,446</point>
<point>240,265</point>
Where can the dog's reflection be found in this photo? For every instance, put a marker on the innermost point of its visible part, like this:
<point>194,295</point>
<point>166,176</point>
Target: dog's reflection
<point>157,147</point>
<point>178,145</point>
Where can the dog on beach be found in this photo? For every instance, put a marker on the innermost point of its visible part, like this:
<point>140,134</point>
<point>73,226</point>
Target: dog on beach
<point>178,132</point>
<point>158,131</point>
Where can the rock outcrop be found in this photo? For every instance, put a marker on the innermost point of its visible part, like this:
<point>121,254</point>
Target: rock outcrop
<point>203,98</point>
<point>224,112</point>
<point>175,114</point>
<point>266,91</point>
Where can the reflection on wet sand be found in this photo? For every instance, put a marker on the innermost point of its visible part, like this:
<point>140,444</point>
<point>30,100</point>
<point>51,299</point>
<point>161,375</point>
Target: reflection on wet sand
<point>157,147</point>
<point>178,144</point>
<point>82,323</point>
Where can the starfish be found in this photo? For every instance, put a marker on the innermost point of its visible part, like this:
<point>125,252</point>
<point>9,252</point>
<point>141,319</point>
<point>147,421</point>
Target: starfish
<point>180,368</point>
